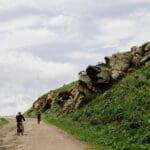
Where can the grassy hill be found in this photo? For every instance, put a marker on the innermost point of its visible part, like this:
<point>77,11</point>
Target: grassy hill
<point>117,119</point>
<point>109,106</point>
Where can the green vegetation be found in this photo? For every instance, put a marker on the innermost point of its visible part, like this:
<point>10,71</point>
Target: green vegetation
<point>117,119</point>
<point>30,113</point>
<point>66,87</point>
<point>3,121</point>
<point>80,131</point>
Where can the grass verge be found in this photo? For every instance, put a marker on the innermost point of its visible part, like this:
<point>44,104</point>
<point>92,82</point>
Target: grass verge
<point>86,134</point>
<point>3,121</point>
<point>118,119</point>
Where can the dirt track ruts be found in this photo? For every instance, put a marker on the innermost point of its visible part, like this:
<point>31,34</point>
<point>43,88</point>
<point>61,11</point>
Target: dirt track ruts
<point>37,137</point>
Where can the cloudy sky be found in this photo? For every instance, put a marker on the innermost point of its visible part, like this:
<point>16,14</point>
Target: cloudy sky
<point>45,43</point>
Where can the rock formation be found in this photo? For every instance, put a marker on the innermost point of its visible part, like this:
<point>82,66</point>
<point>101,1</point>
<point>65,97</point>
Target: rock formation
<point>44,102</point>
<point>96,79</point>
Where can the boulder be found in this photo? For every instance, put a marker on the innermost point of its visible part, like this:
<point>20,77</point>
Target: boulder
<point>85,90</point>
<point>137,50</point>
<point>70,103</point>
<point>77,98</point>
<point>119,61</point>
<point>84,78</point>
<point>92,72</point>
<point>119,64</point>
<point>37,104</point>
<point>44,101</point>
<point>82,100</point>
<point>136,60</point>
<point>117,74</point>
<point>99,75</point>
<point>145,59</point>
<point>51,99</point>
<point>63,97</point>
<point>146,47</point>
<point>103,76</point>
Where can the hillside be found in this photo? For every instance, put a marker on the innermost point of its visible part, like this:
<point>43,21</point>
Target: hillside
<point>95,80</point>
<point>109,106</point>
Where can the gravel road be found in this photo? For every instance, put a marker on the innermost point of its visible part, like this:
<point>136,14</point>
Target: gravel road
<point>37,137</point>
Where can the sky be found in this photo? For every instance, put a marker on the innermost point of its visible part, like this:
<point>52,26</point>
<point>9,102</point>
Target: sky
<point>44,44</point>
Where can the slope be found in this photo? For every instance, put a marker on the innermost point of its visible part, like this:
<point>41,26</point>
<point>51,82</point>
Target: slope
<point>108,107</point>
<point>116,119</point>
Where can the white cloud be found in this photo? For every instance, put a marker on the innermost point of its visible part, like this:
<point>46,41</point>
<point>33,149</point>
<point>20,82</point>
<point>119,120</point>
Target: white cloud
<point>113,31</point>
<point>86,55</point>
<point>25,77</point>
<point>123,33</point>
<point>80,31</point>
<point>59,20</point>
<point>37,30</point>
<point>19,23</point>
<point>27,37</point>
<point>72,7</point>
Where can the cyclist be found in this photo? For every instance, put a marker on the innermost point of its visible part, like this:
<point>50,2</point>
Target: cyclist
<point>19,119</point>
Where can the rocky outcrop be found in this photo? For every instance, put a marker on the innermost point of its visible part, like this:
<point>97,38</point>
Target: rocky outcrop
<point>63,97</point>
<point>118,64</point>
<point>44,102</point>
<point>95,79</point>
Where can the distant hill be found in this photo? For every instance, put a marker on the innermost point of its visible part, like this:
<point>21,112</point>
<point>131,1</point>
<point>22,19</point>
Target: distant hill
<point>109,106</point>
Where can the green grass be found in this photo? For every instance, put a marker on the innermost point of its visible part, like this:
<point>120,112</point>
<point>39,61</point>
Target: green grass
<point>3,121</point>
<point>66,87</point>
<point>80,132</point>
<point>30,113</point>
<point>118,119</point>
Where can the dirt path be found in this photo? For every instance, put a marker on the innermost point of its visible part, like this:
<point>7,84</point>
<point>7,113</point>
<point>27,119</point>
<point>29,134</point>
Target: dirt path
<point>37,137</point>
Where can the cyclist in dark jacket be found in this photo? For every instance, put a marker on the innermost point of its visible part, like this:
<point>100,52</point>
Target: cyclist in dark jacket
<point>19,119</point>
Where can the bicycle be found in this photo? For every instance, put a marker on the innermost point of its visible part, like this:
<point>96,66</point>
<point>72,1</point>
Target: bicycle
<point>20,128</point>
